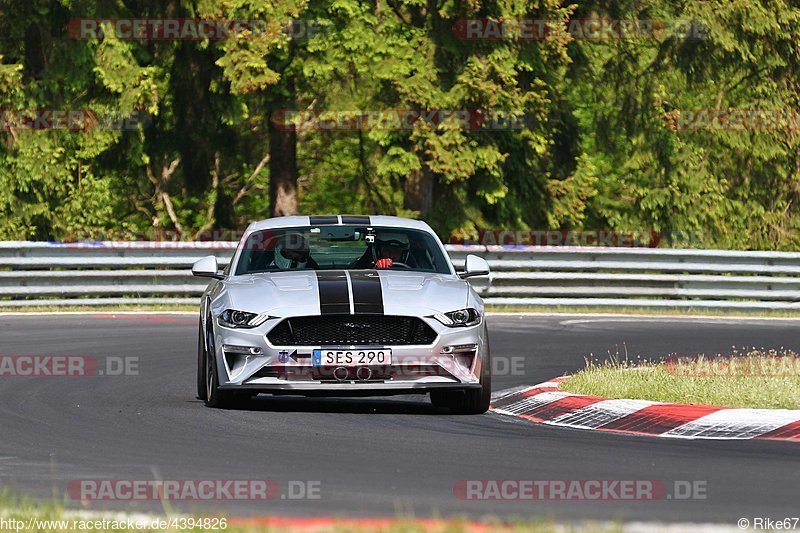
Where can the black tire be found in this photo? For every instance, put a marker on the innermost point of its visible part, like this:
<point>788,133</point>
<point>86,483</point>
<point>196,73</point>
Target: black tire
<point>441,399</point>
<point>473,401</point>
<point>470,401</point>
<point>214,397</point>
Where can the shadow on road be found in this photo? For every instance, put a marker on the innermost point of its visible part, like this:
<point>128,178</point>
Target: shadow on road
<point>366,405</point>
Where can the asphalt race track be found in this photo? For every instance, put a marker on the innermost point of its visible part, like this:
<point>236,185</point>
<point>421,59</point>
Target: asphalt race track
<point>372,457</point>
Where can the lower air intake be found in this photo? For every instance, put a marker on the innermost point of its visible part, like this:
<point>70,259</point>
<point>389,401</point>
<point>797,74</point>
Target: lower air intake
<point>351,329</point>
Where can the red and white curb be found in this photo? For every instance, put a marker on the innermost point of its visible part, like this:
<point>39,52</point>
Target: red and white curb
<point>546,403</point>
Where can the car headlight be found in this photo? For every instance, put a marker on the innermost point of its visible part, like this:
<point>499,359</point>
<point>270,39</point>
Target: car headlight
<point>460,318</point>
<point>232,318</point>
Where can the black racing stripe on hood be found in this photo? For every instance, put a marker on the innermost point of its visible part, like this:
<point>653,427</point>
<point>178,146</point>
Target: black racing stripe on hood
<point>367,292</point>
<point>319,220</point>
<point>356,219</point>
<point>334,296</point>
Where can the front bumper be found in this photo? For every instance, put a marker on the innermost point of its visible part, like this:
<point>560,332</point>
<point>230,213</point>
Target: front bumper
<point>350,389</point>
<point>289,369</point>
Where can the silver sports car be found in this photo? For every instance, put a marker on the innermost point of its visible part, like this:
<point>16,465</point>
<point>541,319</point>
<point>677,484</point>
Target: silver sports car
<point>343,305</point>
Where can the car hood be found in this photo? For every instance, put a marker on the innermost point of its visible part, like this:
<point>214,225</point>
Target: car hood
<point>298,293</point>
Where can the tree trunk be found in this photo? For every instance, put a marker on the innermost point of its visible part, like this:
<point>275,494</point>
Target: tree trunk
<point>198,133</point>
<point>282,171</point>
<point>419,192</point>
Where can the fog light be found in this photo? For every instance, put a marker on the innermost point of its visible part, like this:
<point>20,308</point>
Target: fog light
<point>243,350</point>
<point>459,348</point>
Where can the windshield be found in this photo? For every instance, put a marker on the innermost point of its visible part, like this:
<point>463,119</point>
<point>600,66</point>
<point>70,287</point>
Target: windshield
<point>341,248</point>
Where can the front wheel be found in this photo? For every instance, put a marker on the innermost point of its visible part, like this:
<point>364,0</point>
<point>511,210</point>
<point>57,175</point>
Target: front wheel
<point>470,401</point>
<point>201,363</point>
<point>214,397</point>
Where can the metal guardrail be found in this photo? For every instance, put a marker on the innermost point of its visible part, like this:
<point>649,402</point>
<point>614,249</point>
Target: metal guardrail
<point>37,273</point>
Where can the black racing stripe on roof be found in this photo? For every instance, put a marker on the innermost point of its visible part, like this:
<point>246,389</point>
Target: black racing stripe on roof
<point>334,296</point>
<point>367,292</point>
<point>319,220</point>
<point>356,219</point>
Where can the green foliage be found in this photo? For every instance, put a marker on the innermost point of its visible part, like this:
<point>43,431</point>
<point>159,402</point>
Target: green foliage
<point>594,136</point>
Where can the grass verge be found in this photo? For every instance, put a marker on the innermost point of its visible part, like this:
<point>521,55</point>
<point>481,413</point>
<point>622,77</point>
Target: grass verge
<point>593,310</point>
<point>677,312</point>
<point>754,379</point>
<point>22,515</point>
<point>165,308</point>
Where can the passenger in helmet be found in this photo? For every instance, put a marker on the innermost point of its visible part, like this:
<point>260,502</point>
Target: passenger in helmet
<point>293,252</point>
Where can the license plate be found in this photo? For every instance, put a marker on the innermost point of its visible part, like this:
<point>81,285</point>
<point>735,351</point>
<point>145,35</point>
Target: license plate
<point>352,357</point>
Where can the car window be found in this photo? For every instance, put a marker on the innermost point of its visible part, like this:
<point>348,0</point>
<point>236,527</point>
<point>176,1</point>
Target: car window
<point>340,247</point>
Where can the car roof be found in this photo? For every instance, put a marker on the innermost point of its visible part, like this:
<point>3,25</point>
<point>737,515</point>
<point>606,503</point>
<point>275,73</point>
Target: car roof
<point>328,220</point>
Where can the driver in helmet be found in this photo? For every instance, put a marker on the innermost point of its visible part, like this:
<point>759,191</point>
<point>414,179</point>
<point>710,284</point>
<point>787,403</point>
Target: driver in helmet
<point>293,252</point>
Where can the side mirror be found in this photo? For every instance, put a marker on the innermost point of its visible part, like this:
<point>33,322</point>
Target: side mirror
<point>475,266</point>
<point>207,268</point>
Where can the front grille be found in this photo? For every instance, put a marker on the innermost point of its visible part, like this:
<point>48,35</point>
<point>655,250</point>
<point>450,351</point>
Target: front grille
<point>351,329</point>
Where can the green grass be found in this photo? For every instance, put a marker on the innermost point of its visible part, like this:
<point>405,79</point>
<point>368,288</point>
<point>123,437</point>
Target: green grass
<point>101,308</point>
<point>754,378</point>
<point>52,517</point>
<point>693,311</point>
